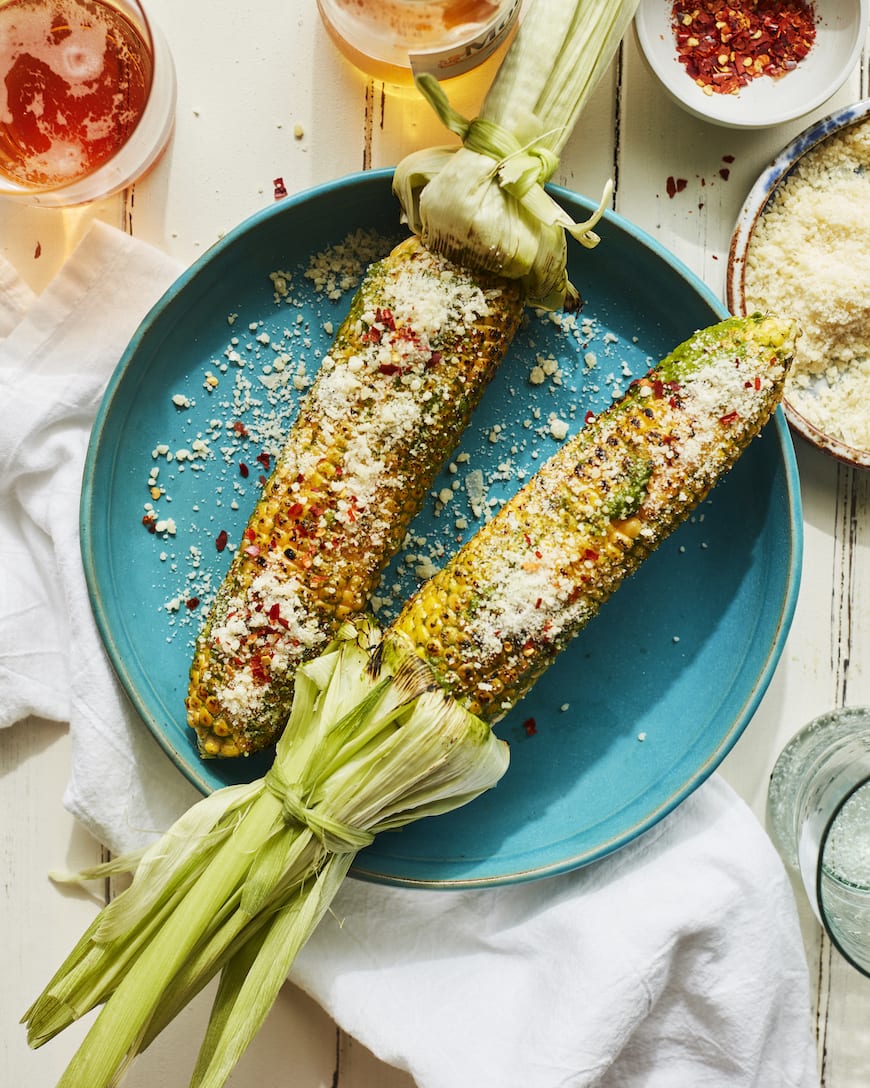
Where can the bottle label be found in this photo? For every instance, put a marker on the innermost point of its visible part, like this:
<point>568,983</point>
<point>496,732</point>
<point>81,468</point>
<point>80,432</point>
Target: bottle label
<point>463,56</point>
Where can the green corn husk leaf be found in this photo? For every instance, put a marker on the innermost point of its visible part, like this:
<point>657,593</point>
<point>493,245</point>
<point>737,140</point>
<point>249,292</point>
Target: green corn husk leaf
<point>483,203</point>
<point>240,881</point>
<point>253,978</point>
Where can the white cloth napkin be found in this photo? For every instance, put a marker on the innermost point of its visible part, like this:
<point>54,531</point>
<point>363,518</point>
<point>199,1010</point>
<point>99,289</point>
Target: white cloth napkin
<point>56,356</point>
<point>676,962</point>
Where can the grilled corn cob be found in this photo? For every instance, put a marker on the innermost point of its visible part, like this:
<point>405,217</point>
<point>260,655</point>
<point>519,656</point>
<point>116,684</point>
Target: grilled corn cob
<point>374,742</point>
<point>422,339</point>
<point>497,615</point>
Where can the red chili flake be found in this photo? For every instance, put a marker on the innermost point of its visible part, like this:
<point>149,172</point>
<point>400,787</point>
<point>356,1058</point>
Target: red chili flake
<point>590,415</point>
<point>192,602</point>
<point>590,554</point>
<point>389,369</point>
<point>723,45</point>
<point>658,388</point>
<point>408,335</point>
<point>265,460</point>
<point>280,188</point>
<point>221,540</point>
<point>258,669</point>
<point>150,522</point>
<point>295,510</point>
<point>239,429</point>
<point>530,726</point>
<point>675,185</point>
<point>275,612</point>
<point>244,471</point>
<point>539,602</point>
<point>730,417</point>
<point>384,316</point>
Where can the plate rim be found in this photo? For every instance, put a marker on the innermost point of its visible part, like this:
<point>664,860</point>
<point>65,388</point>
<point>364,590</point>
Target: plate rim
<point>751,699</point>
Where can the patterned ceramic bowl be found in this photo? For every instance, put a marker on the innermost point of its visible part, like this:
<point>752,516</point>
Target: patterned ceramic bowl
<point>832,233</point>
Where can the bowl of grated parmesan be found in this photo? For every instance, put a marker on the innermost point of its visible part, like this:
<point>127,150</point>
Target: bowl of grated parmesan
<point>751,64</point>
<point>801,247</point>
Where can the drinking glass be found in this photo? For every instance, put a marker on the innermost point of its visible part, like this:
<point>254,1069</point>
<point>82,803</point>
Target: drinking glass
<point>395,39</point>
<point>818,814</point>
<point>87,98</point>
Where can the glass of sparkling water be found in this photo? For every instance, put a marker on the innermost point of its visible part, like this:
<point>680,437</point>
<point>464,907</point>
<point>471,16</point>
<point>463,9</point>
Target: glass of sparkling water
<point>818,814</point>
<point>87,98</point>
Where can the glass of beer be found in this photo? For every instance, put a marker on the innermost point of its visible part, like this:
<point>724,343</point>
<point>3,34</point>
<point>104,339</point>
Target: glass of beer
<point>87,98</point>
<point>818,815</point>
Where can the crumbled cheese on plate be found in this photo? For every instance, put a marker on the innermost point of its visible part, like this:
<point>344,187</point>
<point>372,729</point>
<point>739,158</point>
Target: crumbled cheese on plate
<point>561,364</point>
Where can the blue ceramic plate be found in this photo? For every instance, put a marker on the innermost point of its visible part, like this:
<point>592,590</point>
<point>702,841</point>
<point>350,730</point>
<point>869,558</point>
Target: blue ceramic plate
<point>648,699</point>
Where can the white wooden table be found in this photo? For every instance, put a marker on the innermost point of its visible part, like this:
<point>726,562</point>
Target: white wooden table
<point>263,94</point>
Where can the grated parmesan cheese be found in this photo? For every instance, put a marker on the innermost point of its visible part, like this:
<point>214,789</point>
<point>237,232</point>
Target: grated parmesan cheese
<point>809,258</point>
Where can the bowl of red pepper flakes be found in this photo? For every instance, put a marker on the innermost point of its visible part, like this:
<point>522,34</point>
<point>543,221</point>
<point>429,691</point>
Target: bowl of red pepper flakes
<point>751,63</point>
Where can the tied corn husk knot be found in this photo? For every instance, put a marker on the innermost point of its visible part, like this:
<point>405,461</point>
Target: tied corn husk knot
<point>334,835</point>
<point>498,182</point>
<point>238,884</point>
<point>483,203</point>
<point>518,166</point>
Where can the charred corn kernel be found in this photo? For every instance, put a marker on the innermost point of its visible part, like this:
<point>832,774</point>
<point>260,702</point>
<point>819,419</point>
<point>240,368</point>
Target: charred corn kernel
<point>532,577</point>
<point>422,339</point>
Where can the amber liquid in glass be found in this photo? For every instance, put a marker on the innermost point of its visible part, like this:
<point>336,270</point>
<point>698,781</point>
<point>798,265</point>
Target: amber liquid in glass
<point>390,39</point>
<point>74,81</point>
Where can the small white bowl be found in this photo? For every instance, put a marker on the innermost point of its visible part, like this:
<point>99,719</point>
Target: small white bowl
<point>841,26</point>
<point>752,211</point>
